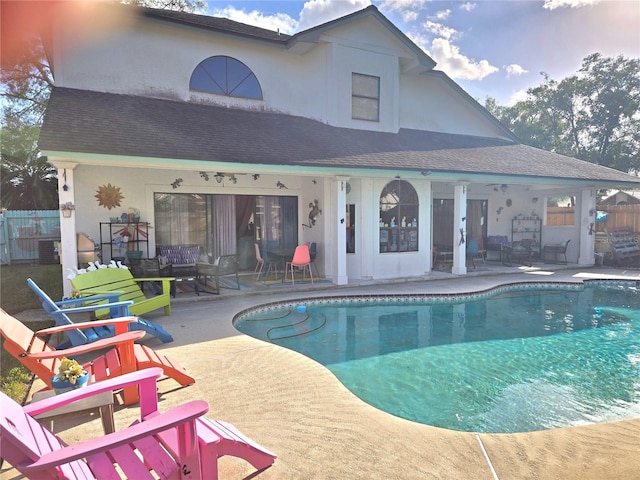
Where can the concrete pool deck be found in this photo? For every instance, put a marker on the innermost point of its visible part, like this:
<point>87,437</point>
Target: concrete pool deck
<point>298,409</point>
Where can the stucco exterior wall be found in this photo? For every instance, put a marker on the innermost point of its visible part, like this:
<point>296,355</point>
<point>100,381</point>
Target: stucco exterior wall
<point>156,58</point>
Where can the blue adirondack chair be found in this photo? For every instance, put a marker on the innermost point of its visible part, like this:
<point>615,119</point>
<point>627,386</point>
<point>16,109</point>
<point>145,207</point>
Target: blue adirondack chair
<point>88,335</point>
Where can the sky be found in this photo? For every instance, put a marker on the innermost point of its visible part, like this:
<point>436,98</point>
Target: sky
<point>491,48</point>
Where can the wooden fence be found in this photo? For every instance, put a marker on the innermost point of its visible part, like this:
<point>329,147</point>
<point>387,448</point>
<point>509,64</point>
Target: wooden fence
<point>617,216</point>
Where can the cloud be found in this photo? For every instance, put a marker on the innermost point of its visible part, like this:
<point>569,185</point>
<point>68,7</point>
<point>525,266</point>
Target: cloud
<point>456,65</point>
<point>317,12</point>
<point>514,70</point>
<point>440,30</point>
<point>553,4</point>
<point>398,5</point>
<point>409,16</point>
<point>467,6</point>
<point>442,14</point>
<point>518,96</point>
<point>276,22</point>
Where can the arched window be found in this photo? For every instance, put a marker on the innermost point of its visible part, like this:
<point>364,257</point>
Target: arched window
<point>224,75</point>
<point>398,217</point>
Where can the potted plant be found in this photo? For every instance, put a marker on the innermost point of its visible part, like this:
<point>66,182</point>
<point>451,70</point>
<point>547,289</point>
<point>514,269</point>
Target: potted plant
<point>70,376</point>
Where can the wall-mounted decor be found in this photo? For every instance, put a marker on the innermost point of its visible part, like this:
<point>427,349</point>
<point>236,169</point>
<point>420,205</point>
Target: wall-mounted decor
<point>176,183</point>
<point>315,211</point>
<point>109,196</point>
<point>508,202</point>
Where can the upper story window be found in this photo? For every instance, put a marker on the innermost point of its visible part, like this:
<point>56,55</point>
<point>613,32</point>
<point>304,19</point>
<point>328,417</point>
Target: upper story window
<point>224,75</point>
<point>365,97</point>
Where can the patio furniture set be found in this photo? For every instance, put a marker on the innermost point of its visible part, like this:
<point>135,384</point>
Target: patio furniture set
<point>179,443</point>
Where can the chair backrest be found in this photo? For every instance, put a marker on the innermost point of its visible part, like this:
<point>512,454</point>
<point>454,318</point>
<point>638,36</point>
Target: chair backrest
<point>472,246</point>
<point>76,337</point>
<point>301,256</point>
<point>23,441</point>
<point>313,250</point>
<point>565,244</point>
<point>21,340</point>
<point>258,255</point>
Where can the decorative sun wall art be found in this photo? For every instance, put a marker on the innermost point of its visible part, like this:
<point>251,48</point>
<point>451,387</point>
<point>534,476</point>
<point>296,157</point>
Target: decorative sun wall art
<point>109,196</point>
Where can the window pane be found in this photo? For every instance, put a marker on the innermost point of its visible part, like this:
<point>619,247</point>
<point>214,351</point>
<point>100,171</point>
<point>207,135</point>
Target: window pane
<point>399,217</point>
<point>364,109</point>
<point>365,86</point>
<point>224,75</point>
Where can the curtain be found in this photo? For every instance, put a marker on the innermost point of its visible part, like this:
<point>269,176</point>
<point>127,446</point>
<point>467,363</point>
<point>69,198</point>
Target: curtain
<point>224,226</point>
<point>245,205</point>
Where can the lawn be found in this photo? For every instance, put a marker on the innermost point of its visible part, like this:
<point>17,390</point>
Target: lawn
<point>16,297</point>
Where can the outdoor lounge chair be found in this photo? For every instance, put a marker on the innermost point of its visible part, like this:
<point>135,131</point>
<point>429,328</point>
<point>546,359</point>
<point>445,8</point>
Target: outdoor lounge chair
<point>177,444</point>
<point>88,335</point>
<point>554,250</point>
<point>125,356</point>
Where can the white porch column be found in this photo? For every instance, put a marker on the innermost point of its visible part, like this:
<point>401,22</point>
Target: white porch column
<point>587,223</point>
<point>68,231</point>
<point>340,231</point>
<point>459,223</point>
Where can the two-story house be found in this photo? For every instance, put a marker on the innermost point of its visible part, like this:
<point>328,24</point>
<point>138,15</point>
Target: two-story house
<point>222,134</point>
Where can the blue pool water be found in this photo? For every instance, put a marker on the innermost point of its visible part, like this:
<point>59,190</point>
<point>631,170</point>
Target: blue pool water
<point>516,359</point>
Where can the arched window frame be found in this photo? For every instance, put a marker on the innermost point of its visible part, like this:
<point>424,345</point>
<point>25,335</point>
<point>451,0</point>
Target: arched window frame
<point>224,75</point>
<point>399,213</point>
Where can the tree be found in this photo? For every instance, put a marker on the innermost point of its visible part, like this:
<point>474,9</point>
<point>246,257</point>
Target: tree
<point>593,115</point>
<point>28,181</point>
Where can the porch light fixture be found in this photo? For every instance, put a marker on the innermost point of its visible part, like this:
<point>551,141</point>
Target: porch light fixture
<point>219,177</point>
<point>426,173</point>
<point>504,187</point>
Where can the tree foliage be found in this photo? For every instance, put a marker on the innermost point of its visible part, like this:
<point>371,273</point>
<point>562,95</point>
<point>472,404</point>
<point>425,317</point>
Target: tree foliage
<point>28,180</point>
<point>593,115</point>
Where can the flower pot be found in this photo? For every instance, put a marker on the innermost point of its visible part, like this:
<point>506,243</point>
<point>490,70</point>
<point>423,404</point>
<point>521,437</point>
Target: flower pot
<point>62,386</point>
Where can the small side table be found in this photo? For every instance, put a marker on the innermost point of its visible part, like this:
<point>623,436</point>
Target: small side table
<point>102,402</point>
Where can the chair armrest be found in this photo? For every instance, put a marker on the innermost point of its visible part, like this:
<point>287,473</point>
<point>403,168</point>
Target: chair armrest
<point>180,415</point>
<point>145,379</point>
<point>122,307</point>
<point>81,325</point>
<point>128,337</point>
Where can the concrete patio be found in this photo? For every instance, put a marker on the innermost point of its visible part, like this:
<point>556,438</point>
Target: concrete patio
<point>298,409</point>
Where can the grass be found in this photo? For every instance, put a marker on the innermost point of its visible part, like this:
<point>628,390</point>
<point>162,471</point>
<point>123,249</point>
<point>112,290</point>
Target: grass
<point>18,297</point>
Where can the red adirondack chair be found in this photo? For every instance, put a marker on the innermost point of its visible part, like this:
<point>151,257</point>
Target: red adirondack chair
<point>126,356</point>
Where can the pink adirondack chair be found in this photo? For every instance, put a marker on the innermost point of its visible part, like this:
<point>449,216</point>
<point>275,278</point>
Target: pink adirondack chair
<point>176,444</point>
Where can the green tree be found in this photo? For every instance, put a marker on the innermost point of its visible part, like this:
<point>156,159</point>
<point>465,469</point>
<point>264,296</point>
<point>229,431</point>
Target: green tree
<point>28,181</point>
<point>593,115</point>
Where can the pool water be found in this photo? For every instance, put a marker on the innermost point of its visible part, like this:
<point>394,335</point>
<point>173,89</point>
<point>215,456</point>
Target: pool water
<point>520,359</point>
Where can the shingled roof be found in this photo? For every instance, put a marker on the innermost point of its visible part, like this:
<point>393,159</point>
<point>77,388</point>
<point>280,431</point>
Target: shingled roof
<point>134,126</point>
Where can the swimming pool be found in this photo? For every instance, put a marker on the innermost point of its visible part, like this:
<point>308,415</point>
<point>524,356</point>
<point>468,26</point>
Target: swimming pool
<point>517,358</point>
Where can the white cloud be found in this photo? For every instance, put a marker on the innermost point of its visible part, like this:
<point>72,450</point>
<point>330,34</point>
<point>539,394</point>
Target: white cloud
<point>514,70</point>
<point>456,65</point>
<point>553,4</point>
<point>440,30</point>
<point>279,21</point>
<point>397,5</point>
<point>409,16</point>
<point>519,96</point>
<point>317,12</point>
<point>443,14</point>
<point>467,6</point>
